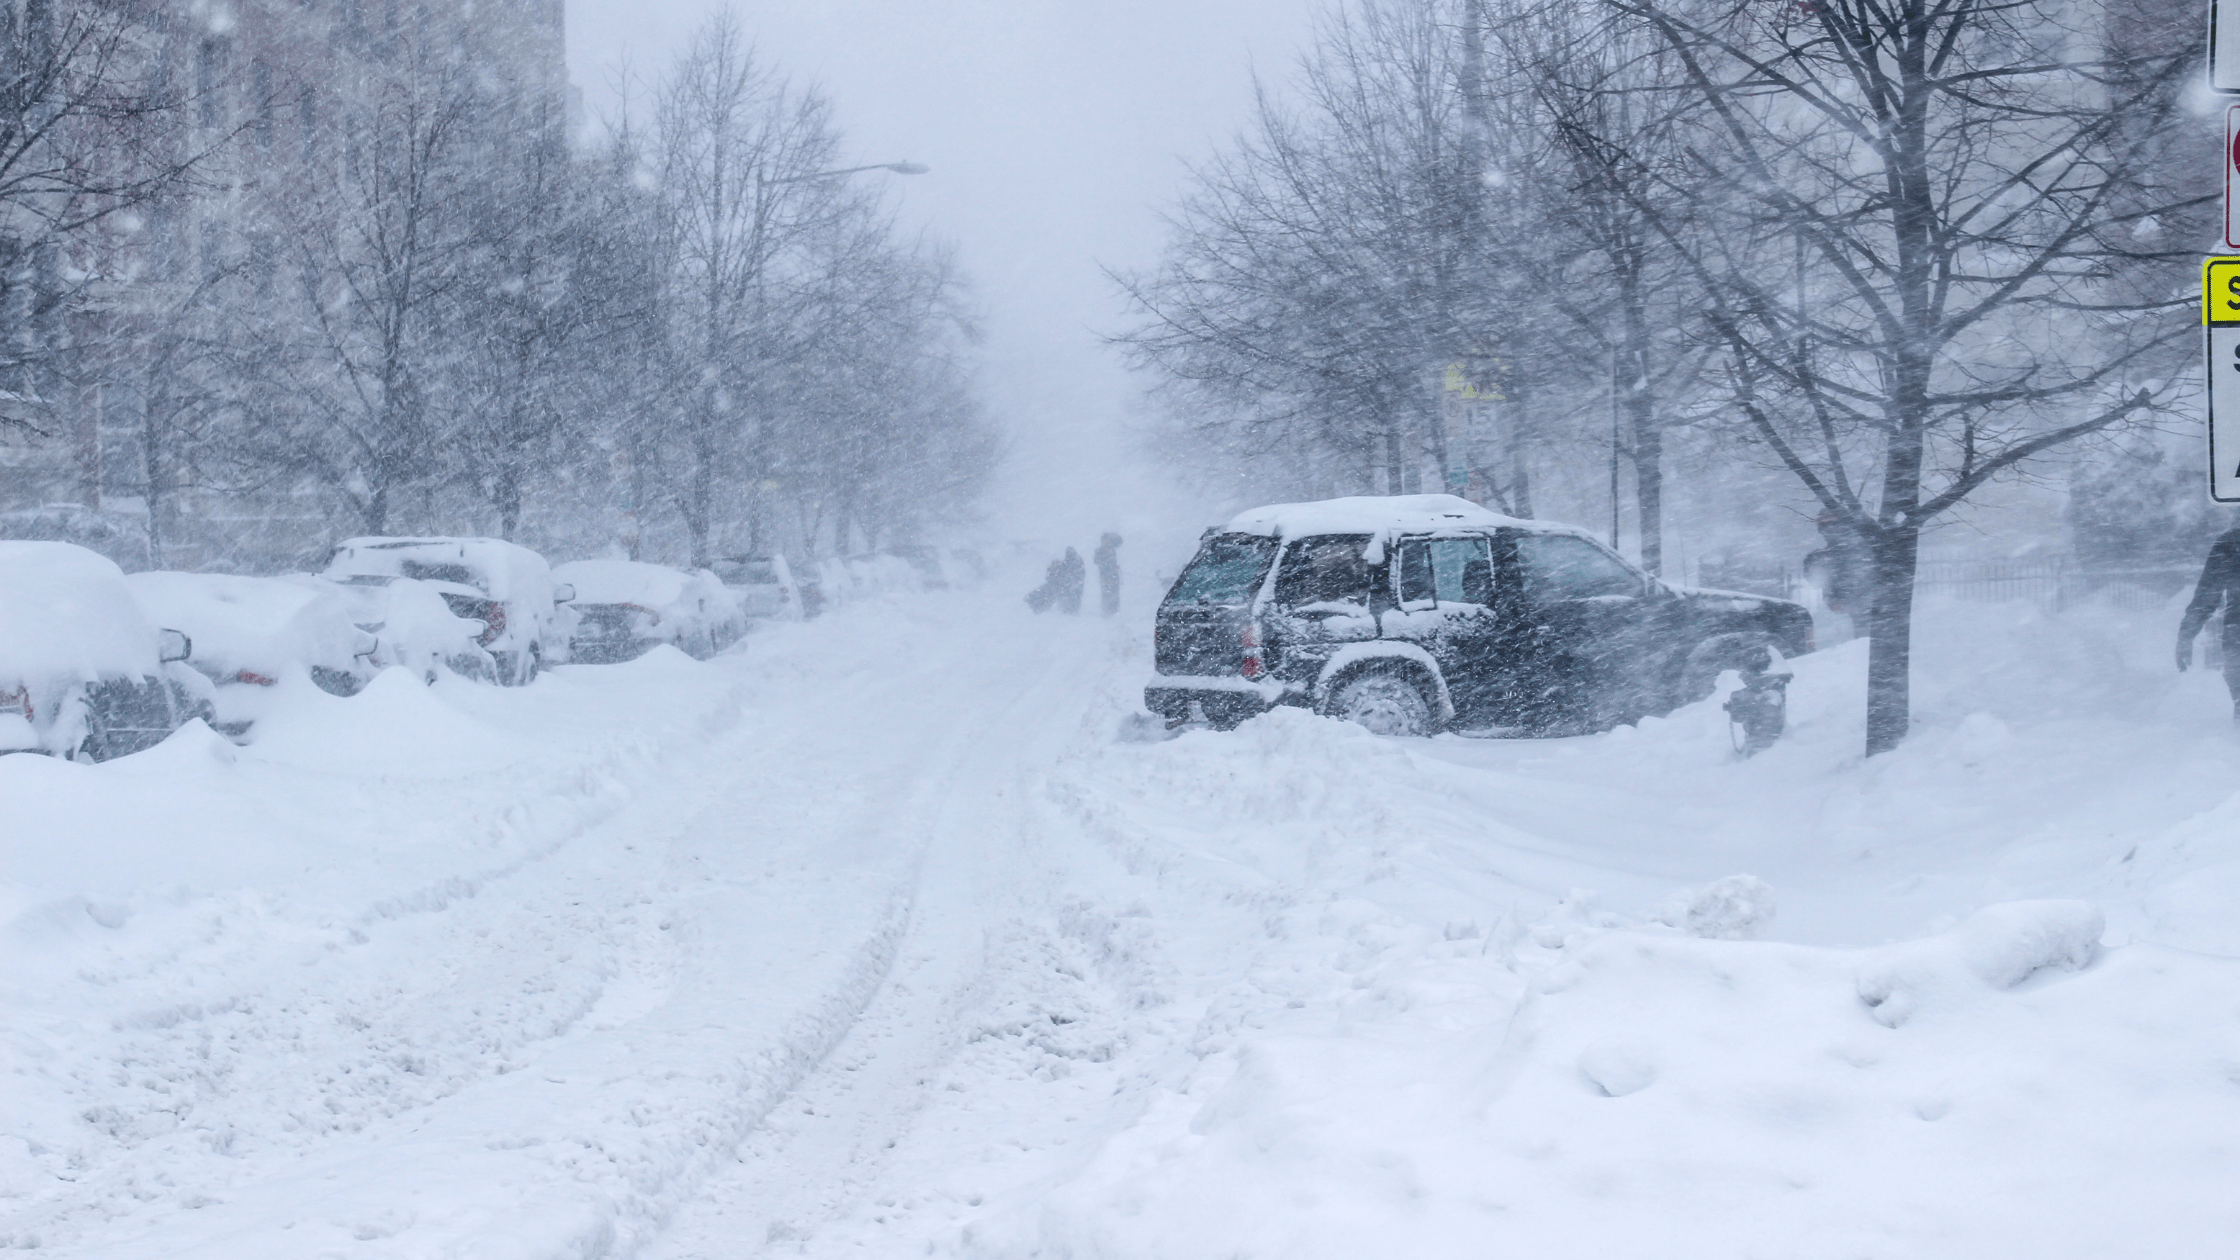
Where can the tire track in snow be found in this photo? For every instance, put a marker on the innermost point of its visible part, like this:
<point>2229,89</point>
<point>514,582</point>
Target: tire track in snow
<point>965,983</point>
<point>780,898</point>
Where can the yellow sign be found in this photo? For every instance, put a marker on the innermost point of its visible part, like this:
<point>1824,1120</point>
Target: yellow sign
<point>2220,290</point>
<point>1458,382</point>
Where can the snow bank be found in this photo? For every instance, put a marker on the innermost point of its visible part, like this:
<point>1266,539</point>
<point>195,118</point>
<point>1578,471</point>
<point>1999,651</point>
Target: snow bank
<point>1962,1034</point>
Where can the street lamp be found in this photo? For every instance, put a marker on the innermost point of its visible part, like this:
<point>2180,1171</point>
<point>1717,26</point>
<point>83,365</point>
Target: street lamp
<point>899,168</point>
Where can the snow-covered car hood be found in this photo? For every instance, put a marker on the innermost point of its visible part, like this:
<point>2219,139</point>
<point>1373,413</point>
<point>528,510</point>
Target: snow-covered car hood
<point>1730,601</point>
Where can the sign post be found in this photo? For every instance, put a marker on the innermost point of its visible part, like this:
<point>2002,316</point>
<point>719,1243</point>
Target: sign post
<point>2220,316</point>
<point>2220,277</point>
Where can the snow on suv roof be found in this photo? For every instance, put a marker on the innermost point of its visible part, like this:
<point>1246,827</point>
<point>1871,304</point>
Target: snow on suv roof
<point>1379,515</point>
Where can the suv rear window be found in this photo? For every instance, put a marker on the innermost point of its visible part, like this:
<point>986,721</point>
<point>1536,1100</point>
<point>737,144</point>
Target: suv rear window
<point>421,570</point>
<point>1226,571</point>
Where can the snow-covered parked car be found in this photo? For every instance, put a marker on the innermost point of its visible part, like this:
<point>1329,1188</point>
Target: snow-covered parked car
<point>251,633</point>
<point>1413,612</point>
<point>83,672</point>
<point>625,608</point>
<point>767,587</point>
<point>413,626</point>
<point>505,586</point>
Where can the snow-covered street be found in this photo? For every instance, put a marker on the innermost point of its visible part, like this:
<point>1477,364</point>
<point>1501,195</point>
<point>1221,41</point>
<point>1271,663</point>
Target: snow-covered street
<point>894,933</point>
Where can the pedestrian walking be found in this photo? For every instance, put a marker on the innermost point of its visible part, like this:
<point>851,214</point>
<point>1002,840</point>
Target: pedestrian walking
<point>1844,568</point>
<point>1053,580</point>
<point>2219,586</point>
<point>1108,572</point>
<point>1073,575</point>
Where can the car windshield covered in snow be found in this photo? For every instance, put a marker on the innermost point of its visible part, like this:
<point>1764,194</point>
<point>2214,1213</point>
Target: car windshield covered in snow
<point>1226,572</point>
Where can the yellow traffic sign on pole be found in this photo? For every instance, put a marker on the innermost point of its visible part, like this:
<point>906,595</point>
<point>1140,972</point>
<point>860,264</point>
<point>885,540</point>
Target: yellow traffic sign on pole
<point>2220,311</point>
<point>2220,291</point>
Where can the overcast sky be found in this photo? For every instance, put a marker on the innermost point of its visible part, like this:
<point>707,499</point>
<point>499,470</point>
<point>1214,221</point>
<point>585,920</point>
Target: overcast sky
<point>1056,130</point>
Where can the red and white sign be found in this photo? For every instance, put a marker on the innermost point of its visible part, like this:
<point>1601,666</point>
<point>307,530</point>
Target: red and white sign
<point>2232,177</point>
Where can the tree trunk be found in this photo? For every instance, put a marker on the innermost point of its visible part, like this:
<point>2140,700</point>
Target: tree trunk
<point>155,492</point>
<point>507,492</point>
<point>1648,490</point>
<point>1393,484</point>
<point>1890,629</point>
<point>700,506</point>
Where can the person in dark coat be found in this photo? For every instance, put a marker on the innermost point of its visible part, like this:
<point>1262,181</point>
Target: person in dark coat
<point>1844,568</point>
<point>1072,576</point>
<point>2220,585</point>
<point>1041,597</point>
<point>1108,572</point>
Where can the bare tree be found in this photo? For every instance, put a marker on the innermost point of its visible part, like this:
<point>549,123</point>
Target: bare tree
<point>1324,271</point>
<point>1922,205</point>
<point>380,254</point>
<point>1601,96</point>
<point>521,320</point>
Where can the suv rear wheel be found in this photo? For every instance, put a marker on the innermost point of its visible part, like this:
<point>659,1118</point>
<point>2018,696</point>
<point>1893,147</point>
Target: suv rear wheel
<point>1385,701</point>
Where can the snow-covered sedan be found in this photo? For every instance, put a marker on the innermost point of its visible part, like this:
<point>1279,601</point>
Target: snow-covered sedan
<point>413,624</point>
<point>505,586</point>
<point>625,608</point>
<point>252,633</point>
<point>84,673</point>
<point>1410,613</point>
<point>767,587</point>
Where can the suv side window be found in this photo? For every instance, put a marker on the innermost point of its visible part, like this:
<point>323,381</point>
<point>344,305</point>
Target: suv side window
<point>1324,570</point>
<point>1445,571</point>
<point>1559,567</point>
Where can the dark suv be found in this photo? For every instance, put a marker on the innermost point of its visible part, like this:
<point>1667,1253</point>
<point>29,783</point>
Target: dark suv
<point>1415,612</point>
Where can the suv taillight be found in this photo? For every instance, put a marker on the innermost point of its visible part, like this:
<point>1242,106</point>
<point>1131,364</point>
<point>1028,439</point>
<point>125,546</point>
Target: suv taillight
<point>1252,667</point>
<point>17,701</point>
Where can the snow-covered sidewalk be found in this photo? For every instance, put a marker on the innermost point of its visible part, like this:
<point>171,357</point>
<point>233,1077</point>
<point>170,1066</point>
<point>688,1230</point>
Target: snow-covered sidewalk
<point>882,936</point>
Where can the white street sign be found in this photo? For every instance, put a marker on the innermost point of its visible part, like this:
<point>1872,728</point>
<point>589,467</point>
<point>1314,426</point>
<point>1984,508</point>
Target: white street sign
<point>2224,413</point>
<point>2224,49</point>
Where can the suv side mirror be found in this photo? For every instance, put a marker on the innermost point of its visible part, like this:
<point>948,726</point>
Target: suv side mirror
<point>564,593</point>
<point>176,647</point>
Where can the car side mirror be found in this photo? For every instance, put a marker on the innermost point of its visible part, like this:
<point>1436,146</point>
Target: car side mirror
<point>563,593</point>
<point>176,647</point>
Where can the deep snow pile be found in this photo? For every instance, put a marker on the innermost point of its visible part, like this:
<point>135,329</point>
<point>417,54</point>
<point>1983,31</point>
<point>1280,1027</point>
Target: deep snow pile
<point>1418,1056</point>
<point>889,934</point>
<point>1627,994</point>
